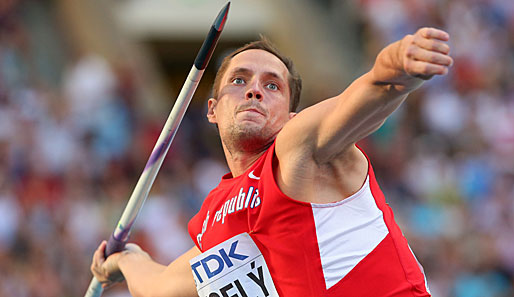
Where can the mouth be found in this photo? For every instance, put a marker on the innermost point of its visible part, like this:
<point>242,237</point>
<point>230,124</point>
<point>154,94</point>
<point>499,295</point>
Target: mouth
<point>252,109</point>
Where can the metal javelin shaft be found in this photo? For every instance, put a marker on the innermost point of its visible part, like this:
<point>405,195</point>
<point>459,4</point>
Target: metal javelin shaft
<point>121,234</point>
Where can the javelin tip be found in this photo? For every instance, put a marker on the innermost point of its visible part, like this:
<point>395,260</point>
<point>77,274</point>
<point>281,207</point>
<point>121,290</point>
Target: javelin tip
<point>221,19</point>
<point>205,53</point>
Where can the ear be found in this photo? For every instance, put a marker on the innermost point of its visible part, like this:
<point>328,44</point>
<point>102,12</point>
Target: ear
<point>292,115</point>
<point>211,110</point>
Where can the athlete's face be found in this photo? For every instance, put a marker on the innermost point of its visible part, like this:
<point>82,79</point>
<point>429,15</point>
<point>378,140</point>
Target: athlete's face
<point>253,102</point>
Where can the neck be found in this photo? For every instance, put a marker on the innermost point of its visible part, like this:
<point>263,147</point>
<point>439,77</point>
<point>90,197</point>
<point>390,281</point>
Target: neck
<point>240,160</point>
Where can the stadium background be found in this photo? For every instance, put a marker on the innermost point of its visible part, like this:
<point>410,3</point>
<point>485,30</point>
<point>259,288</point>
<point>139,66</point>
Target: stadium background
<point>85,88</point>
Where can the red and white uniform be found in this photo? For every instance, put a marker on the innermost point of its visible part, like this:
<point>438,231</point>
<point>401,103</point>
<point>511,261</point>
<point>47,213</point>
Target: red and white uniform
<point>347,248</point>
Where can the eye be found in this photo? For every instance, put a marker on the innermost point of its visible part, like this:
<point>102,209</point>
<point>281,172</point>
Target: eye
<point>238,81</point>
<point>272,86</point>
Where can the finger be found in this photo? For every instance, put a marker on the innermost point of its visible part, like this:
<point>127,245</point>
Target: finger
<point>432,44</point>
<point>103,246</point>
<point>424,70</point>
<point>99,253</point>
<point>423,55</point>
<point>98,260</point>
<point>433,33</point>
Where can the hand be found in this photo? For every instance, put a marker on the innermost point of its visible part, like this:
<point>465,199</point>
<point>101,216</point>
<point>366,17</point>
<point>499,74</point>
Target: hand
<point>426,53</point>
<point>107,271</point>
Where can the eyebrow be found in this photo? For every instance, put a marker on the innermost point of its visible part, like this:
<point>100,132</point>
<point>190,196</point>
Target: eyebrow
<point>246,71</point>
<point>241,70</point>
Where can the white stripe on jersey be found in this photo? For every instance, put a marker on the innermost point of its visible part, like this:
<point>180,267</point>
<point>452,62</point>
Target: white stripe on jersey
<point>347,231</point>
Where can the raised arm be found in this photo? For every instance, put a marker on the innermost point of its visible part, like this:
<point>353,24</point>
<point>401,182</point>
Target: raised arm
<point>144,276</point>
<point>332,126</point>
<point>317,157</point>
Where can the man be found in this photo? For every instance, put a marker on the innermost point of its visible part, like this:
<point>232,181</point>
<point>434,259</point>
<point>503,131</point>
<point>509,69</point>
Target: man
<point>301,213</point>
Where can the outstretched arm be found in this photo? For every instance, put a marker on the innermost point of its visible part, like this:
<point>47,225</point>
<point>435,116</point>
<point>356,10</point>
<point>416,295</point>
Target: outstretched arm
<point>332,126</point>
<point>144,276</point>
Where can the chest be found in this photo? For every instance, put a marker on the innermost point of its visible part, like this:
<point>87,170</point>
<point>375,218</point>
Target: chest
<point>228,211</point>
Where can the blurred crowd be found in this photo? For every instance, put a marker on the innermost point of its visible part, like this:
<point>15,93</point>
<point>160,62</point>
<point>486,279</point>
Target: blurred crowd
<point>446,158</point>
<point>72,146</point>
<point>73,143</point>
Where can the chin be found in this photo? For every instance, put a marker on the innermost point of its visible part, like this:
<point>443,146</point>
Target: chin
<point>249,137</point>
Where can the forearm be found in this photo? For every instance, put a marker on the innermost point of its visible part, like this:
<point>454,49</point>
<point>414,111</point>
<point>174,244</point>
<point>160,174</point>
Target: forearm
<point>144,276</point>
<point>399,69</point>
<point>141,273</point>
<point>362,110</point>
<point>147,278</point>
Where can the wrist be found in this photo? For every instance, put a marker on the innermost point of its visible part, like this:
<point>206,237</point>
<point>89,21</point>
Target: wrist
<point>132,256</point>
<point>389,69</point>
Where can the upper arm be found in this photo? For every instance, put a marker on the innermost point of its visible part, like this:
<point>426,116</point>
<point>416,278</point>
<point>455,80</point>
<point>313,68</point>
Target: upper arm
<point>317,157</point>
<point>327,129</point>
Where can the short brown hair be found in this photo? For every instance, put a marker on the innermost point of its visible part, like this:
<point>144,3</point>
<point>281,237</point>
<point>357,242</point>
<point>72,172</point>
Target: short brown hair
<point>295,81</point>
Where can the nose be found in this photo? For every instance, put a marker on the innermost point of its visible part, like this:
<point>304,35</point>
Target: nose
<point>253,93</point>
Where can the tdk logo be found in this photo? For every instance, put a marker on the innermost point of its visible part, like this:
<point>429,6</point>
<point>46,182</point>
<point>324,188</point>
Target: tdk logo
<point>214,264</point>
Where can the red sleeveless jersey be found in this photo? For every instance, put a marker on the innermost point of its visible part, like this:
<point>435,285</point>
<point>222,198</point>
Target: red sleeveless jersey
<point>348,248</point>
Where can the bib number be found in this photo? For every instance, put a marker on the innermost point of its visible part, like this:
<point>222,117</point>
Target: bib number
<point>234,268</point>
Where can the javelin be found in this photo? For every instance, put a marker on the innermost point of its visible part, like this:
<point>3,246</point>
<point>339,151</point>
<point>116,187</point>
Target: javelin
<point>121,234</point>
